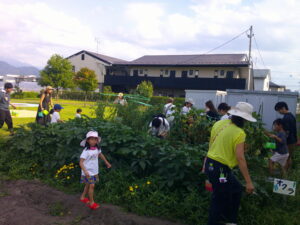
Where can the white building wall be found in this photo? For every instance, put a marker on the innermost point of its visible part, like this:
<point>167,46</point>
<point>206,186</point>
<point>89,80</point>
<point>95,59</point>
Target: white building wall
<point>201,96</point>
<point>91,63</point>
<point>262,101</point>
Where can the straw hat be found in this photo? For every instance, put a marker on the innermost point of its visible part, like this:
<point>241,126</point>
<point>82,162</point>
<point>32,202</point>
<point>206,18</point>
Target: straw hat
<point>49,88</point>
<point>244,110</point>
<point>88,135</point>
<point>120,94</point>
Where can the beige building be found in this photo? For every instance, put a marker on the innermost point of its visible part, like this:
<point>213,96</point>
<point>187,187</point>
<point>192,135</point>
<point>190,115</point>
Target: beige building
<point>93,61</point>
<point>172,74</point>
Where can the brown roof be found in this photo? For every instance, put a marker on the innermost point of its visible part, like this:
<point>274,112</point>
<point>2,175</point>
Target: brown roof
<point>182,60</point>
<point>104,58</point>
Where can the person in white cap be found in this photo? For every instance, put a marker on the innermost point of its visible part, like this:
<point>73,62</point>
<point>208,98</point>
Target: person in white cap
<point>226,150</point>
<point>120,99</point>
<point>89,167</point>
<point>187,106</point>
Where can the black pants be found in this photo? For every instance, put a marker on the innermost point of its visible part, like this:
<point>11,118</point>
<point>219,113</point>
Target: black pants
<point>226,197</point>
<point>6,117</point>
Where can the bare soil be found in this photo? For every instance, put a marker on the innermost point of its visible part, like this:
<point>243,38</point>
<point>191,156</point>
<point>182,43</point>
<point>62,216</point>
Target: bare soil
<point>25,202</point>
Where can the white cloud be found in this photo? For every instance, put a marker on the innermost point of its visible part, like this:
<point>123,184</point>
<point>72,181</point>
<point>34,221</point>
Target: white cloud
<point>33,32</point>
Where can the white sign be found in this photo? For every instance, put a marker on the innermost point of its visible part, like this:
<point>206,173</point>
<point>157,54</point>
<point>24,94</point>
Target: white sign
<point>284,187</point>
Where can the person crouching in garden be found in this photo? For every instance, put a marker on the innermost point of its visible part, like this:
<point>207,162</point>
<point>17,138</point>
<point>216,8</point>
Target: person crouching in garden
<point>159,127</point>
<point>89,167</point>
<point>43,115</point>
<point>226,150</point>
<point>5,115</point>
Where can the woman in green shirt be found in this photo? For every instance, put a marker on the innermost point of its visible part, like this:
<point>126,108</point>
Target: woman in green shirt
<point>226,150</point>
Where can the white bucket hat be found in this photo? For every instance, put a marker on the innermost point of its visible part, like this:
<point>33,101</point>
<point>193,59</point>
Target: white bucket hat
<point>244,110</point>
<point>189,100</point>
<point>88,135</point>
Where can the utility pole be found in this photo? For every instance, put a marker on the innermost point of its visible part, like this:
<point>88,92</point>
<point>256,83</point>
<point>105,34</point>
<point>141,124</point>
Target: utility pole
<point>98,43</point>
<point>250,77</point>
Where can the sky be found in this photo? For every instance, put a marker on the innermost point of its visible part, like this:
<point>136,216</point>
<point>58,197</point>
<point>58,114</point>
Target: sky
<point>31,31</point>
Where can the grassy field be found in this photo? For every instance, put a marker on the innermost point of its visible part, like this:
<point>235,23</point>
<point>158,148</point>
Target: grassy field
<point>67,113</point>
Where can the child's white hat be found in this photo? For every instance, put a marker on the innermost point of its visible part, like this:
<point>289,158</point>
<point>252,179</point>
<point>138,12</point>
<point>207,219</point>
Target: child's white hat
<point>88,135</point>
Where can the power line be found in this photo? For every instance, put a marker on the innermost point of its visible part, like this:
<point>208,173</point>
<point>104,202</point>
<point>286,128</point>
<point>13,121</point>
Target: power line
<point>220,46</point>
<point>262,60</point>
<point>276,71</point>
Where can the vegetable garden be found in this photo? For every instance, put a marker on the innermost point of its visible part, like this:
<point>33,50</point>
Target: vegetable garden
<point>150,176</point>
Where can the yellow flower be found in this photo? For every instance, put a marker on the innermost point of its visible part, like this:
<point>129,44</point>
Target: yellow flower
<point>136,187</point>
<point>148,182</point>
<point>68,178</point>
<point>130,188</point>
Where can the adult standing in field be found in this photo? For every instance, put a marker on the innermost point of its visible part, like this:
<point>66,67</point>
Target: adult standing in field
<point>120,99</point>
<point>211,112</point>
<point>169,110</point>
<point>43,113</point>
<point>187,106</point>
<point>226,150</point>
<point>290,127</point>
<point>5,115</point>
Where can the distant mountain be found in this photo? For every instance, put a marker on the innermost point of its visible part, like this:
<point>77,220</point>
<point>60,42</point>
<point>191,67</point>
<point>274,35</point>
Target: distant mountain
<point>6,68</point>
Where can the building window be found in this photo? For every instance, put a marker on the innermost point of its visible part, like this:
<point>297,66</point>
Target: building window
<point>141,72</point>
<point>229,74</point>
<point>222,72</point>
<point>196,72</point>
<point>216,73</point>
<point>73,69</point>
<point>82,57</point>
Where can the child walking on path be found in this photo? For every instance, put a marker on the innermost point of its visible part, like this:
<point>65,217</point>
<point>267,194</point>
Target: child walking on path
<point>89,167</point>
<point>281,154</point>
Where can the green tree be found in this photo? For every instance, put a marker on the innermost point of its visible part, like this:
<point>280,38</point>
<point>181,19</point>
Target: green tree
<point>145,88</point>
<point>86,80</point>
<point>57,73</point>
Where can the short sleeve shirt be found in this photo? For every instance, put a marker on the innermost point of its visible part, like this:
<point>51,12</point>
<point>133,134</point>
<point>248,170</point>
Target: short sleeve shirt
<point>225,136</point>
<point>185,110</point>
<point>169,109</point>
<point>281,147</point>
<point>55,117</point>
<point>289,125</point>
<point>4,100</point>
<point>90,161</point>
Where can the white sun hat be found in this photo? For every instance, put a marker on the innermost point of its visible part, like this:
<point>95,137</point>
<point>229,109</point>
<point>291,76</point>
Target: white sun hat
<point>189,100</point>
<point>244,110</point>
<point>88,135</point>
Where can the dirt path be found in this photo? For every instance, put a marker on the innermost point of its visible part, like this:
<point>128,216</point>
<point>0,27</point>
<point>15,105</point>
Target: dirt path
<point>33,203</point>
